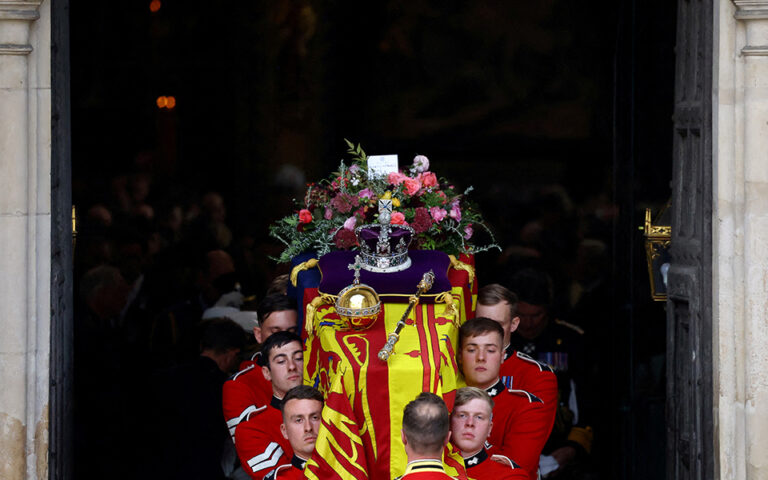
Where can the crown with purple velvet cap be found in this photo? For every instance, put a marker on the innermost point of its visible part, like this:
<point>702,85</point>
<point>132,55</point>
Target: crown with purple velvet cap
<point>383,246</point>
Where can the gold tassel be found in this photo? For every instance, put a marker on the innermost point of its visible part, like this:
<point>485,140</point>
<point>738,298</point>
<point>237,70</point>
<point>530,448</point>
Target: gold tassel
<point>309,318</point>
<point>311,263</point>
<point>450,306</point>
<point>457,264</point>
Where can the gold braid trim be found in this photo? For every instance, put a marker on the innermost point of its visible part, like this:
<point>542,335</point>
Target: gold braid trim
<point>450,306</point>
<point>311,263</point>
<point>459,265</point>
<point>309,318</point>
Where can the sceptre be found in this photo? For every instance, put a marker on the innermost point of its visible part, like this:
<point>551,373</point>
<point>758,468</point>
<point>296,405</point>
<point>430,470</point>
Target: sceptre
<point>424,285</point>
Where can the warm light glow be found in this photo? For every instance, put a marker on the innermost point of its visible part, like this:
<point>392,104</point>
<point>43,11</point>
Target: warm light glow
<point>162,102</point>
<point>154,6</point>
<point>170,102</point>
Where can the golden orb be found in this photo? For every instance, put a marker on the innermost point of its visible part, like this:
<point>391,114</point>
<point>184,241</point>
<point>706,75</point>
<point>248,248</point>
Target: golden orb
<point>359,306</point>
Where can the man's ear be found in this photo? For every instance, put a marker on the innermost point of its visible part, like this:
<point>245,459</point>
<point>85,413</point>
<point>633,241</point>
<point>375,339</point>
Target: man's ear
<point>447,438</point>
<point>515,323</point>
<point>402,437</point>
<point>267,373</point>
<point>257,333</point>
<point>284,431</point>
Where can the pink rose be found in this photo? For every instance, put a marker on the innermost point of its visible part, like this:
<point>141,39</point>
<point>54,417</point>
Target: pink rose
<point>397,218</point>
<point>438,214</point>
<point>366,193</point>
<point>396,178</point>
<point>455,212</point>
<point>420,163</point>
<point>428,179</point>
<point>305,216</point>
<point>412,185</point>
<point>468,231</point>
<point>349,224</point>
<point>328,213</point>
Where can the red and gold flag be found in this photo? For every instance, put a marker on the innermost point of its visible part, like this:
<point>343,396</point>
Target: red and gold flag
<point>365,396</point>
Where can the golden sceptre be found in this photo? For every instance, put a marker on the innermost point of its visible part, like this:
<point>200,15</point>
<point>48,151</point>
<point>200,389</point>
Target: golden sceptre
<point>424,285</point>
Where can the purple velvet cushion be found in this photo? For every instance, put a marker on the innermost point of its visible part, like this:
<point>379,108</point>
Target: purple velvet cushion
<point>391,287</point>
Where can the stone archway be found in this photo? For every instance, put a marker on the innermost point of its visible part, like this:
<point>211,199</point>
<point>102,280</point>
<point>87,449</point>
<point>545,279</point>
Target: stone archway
<point>25,229</point>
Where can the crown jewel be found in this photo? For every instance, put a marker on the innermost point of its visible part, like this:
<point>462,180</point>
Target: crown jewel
<point>384,247</point>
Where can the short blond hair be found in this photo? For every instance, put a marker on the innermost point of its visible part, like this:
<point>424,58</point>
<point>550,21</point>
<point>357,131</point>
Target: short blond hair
<point>465,395</point>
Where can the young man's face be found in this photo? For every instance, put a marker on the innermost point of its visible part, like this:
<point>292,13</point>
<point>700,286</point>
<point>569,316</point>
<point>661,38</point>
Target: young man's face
<point>280,321</point>
<point>285,368</point>
<point>481,358</point>
<point>502,313</point>
<point>301,422</point>
<point>470,426</point>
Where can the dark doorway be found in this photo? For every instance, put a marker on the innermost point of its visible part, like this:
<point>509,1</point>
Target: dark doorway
<point>546,108</point>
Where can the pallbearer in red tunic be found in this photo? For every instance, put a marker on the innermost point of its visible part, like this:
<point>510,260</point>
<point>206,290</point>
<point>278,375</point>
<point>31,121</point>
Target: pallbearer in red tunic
<point>302,408</point>
<point>471,423</point>
<point>248,391</point>
<point>519,371</point>
<point>259,442</point>
<point>522,420</point>
<point>425,433</point>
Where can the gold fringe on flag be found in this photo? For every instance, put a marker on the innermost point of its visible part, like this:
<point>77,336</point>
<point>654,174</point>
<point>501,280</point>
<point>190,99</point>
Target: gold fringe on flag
<point>450,306</point>
<point>457,264</point>
<point>311,263</point>
<point>322,299</point>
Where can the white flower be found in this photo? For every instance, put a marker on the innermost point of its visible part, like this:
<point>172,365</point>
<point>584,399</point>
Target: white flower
<point>420,163</point>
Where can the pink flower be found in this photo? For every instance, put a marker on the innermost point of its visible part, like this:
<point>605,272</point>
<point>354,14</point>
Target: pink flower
<point>396,178</point>
<point>397,218</point>
<point>428,179</point>
<point>468,231</point>
<point>349,224</point>
<point>438,214</point>
<point>420,163</point>
<point>353,169</point>
<point>455,212</point>
<point>412,185</point>
<point>305,216</point>
<point>328,213</point>
<point>366,193</point>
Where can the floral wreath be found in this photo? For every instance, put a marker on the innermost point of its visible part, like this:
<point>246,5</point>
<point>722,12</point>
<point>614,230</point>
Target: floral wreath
<point>441,218</point>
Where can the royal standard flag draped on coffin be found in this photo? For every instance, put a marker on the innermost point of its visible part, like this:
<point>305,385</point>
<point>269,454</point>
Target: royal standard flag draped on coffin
<point>365,396</point>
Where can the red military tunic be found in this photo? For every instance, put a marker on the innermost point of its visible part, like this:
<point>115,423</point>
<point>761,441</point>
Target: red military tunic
<point>481,467</point>
<point>244,393</point>
<point>521,372</point>
<point>521,426</point>
<point>292,471</point>
<point>260,443</point>
<point>425,470</point>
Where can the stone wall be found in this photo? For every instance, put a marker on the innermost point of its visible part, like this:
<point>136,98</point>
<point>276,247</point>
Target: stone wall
<point>741,238</point>
<point>25,192</point>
